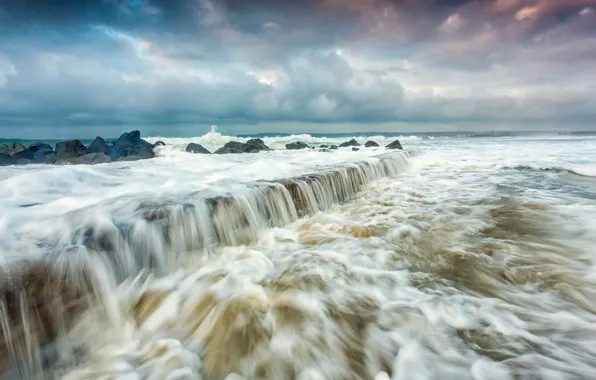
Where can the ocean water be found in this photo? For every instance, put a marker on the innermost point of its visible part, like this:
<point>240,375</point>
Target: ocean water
<point>461,258</point>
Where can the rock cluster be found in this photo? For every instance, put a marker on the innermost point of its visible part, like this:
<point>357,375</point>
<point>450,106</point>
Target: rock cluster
<point>128,147</point>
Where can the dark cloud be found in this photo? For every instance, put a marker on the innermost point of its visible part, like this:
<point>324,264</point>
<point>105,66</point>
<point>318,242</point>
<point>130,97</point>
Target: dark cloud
<point>327,62</point>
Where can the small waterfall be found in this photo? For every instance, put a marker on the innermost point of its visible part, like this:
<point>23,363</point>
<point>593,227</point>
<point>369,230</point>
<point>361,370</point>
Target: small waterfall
<point>88,252</point>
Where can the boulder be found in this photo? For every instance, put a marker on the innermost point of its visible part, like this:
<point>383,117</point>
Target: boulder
<point>159,143</point>
<point>354,149</point>
<point>333,147</point>
<point>196,148</point>
<point>394,145</point>
<point>231,147</point>
<point>6,159</point>
<point>23,161</point>
<point>88,159</point>
<point>40,147</point>
<point>349,143</point>
<point>297,145</point>
<point>25,154</point>
<point>131,144</point>
<point>255,146</point>
<point>70,149</point>
<point>323,146</point>
<point>370,144</point>
<point>98,145</point>
<point>45,158</point>
<point>12,148</point>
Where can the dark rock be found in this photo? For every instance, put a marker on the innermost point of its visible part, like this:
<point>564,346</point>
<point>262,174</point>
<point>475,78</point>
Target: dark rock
<point>324,150</point>
<point>129,158</point>
<point>323,146</point>
<point>159,143</point>
<point>394,145</point>
<point>196,148</point>
<point>354,149</point>
<point>23,161</point>
<point>23,155</point>
<point>6,159</point>
<point>39,146</point>
<point>131,144</point>
<point>70,149</point>
<point>88,159</point>
<point>255,146</point>
<point>349,143</point>
<point>98,145</point>
<point>12,148</point>
<point>297,145</point>
<point>333,147</point>
<point>231,147</point>
<point>370,144</point>
<point>45,158</point>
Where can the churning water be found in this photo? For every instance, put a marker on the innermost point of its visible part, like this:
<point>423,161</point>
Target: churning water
<point>466,259</point>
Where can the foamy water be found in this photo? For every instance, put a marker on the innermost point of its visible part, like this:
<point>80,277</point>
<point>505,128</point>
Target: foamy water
<point>475,261</point>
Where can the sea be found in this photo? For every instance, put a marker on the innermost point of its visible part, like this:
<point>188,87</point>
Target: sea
<point>459,257</point>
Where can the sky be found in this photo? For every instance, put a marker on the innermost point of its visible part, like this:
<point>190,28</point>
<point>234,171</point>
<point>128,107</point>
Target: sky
<point>175,67</point>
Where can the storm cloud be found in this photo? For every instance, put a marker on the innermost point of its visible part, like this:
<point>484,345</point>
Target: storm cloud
<point>297,65</point>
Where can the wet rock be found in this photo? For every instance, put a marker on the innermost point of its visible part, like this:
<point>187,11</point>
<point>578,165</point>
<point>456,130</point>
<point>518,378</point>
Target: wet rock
<point>333,147</point>
<point>370,144</point>
<point>196,148</point>
<point>159,143</point>
<point>88,159</point>
<point>349,143</point>
<point>131,144</point>
<point>297,145</point>
<point>45,158</point>
<point>70,149</point>
<point>6,159</point>
<point>354,149</point>
<point>25,154</point>
<point>323,146</point>
<point>231,147</point>
<point>24,161</point>
<point>40,147</point>
<point>129,158</point>
<point>98,145</point>
<point>12,148</point>
<point>255,145</point>
<point>394,145</point>
<point>324,150</point>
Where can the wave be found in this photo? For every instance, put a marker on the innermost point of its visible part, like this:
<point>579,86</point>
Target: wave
<point>213,139</point>
<point>584,170</point>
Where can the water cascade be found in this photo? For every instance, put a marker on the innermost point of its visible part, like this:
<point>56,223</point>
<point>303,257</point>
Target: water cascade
<point>86,253</point>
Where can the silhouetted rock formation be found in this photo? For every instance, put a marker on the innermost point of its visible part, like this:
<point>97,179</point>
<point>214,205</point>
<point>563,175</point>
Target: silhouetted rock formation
<point>196,148</point>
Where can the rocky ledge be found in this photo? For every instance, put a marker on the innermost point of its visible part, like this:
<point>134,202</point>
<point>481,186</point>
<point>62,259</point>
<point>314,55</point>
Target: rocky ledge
<point>128,147</point>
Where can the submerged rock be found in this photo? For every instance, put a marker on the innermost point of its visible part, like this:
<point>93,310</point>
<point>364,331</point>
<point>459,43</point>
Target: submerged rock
<point>6,159</point>
<point>394,145</point>
<point>370,144</point>
<point>196,148</point>
<point>349,143</point>
<point>297,145</point>
<point>130,158</point>
<point>98,145</point>
<point>354,149</point>
<point>159,143</point>
<point>70,149</point>
<point>333,147</point>
<point>87,159</point>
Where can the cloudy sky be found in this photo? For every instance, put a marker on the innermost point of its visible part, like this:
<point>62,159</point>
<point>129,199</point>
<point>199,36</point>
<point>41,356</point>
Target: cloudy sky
<point>83,67</point>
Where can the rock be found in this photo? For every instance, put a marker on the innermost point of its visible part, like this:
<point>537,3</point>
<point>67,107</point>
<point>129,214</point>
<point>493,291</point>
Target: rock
<point>333,147</point>
<point>12,148</point>
<point>159,143</point>
<point>24,161</point>
<point>129,158</point>
<point>131,144</point>
<point>45,158</point>
<point>354,149</point>
<point>297,145</point>
<point>349,143</point>
<point>394,145</point>
<point>25,154</point>
<point>255,146</point>
<point>324,150</point>
<point>196,148</point>
<point>40,147</point>
<point>98,145</point>
<point>6,159</point>
<point>88,159</point>
<point>323,146</point>
<point>370,144</point>
<point>231,147</point>
<point>70,149</point>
